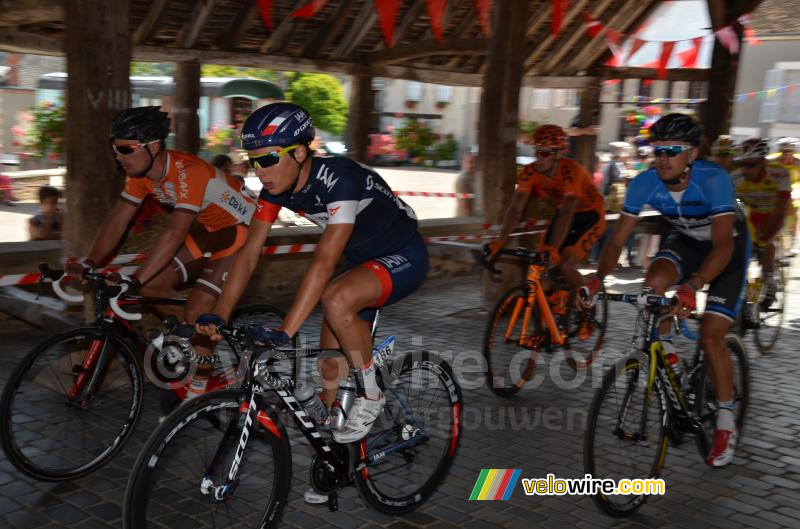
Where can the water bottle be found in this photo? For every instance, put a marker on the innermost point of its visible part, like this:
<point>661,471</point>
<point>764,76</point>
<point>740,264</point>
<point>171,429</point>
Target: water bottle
<point>345,396</point>
<point>675,365</point>
<point>312,404</point>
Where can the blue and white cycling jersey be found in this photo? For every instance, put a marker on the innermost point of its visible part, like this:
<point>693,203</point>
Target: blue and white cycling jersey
<point>342,191</point>
<point>709,194</point>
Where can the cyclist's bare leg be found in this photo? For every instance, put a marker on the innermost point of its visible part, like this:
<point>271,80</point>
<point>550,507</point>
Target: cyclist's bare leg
<point>200,301</point>
<point>661,274</point>
<point>768,257</point>
<point>568,267</point>
<point>333,368</point>
<point>712,339</point>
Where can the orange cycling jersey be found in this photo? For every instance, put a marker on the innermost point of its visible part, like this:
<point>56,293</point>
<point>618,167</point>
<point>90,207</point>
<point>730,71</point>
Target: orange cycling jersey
<point>570,179</point>
<point>193,185</point>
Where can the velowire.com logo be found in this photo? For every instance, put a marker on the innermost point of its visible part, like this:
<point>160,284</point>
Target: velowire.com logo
<point>495,484</point>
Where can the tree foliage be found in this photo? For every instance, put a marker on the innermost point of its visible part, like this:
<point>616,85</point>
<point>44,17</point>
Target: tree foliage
<point>46,133</point>
<point>152,68</point>
<point>217,70</point>
<point>322,95</point>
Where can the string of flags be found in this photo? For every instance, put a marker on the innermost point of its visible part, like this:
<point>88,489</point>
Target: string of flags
<point>770,92</point>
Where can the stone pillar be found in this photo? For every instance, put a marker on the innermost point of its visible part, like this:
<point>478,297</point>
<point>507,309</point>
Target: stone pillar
<point>186,122</point>
<point>586,144</point>
<point>361,108</point>
<point>98,49</point>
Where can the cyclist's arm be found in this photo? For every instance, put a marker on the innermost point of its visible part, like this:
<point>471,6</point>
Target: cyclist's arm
<point>329,250</point>
<point>243,267</point>
<point>563,220</point>
<point>511,219</point>
<point>111,231</point>
<point>167,244</point>
<point>716,261</point>
<point>612,249</point>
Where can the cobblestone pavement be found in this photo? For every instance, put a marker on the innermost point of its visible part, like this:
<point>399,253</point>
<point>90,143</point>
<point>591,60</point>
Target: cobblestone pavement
<point>540,431</point>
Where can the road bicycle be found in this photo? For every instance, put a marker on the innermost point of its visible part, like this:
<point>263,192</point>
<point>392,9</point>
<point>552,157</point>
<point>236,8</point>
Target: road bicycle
<point>537,316</point>
<point>224,459</point>
<point>762,315</point>
<point>645,402</point>
<point>76,397</point>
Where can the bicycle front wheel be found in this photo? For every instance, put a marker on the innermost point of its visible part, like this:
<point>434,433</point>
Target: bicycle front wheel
<point>61,419</point>
<point>625,435</point>
<point>412,444</point>
<point>771,313</point>
<point>511,342</point>
<point>705,394</point>
<point>180,479</point>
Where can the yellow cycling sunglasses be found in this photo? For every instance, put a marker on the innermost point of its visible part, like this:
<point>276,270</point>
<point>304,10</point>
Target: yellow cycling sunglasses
<point>270,159</point>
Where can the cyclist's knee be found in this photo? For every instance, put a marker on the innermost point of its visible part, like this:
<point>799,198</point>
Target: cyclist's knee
<point>337,305</point>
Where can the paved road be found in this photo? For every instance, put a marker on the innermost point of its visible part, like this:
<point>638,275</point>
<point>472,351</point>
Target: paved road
<point>540,432</point>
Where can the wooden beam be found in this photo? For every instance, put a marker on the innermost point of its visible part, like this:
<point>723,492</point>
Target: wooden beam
<point>329,30</point>
<point>281,34</point>
<point>187,37</point>
<point>150,21</point>
<point>362,25</point>
<point>428,48</point>
<point>21,12</point>
<point>559,82</point>
<point>569,45</point>
<point>597,46</point>
<point>717,13</point>
<point>548,41</point>
<point>23,42</point>
<point>239,26</point>
<point>467,23</point>
<point>624,72</point>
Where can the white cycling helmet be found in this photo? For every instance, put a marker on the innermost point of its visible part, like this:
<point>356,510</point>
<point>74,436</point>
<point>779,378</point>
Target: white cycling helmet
<point>788,144</point>
<point>752,148</point>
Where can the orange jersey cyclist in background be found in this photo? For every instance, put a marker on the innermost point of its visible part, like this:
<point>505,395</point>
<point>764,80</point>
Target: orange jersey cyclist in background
<point>579,221</point>
<point>206,227</point>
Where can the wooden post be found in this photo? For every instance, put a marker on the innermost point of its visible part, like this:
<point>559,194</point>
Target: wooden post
<point>715,113</point>
<point>98,49</point>
<point>497,130</point>
<point>187,100</point>
<point>586,144</point>
<point>361,107</point>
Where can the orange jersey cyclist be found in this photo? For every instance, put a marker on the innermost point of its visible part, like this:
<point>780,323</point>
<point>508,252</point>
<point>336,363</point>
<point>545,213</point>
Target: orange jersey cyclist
<point>385,259</point>
<point>206,227</point>
<point>580,218</point>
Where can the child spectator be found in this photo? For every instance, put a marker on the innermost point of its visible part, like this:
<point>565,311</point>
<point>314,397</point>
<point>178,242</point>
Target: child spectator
<point>46,224</point>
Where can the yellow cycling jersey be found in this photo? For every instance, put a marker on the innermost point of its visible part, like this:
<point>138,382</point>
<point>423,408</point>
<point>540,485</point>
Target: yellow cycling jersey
<point>760,197</point>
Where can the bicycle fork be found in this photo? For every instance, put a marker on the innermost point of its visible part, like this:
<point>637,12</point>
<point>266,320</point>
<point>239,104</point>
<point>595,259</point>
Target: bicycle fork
<point>89,371</point>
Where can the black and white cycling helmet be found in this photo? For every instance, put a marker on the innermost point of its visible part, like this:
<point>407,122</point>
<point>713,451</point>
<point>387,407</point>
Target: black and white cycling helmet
<point>752,148</point>
<point>788,144</point>
<point>676,127</point>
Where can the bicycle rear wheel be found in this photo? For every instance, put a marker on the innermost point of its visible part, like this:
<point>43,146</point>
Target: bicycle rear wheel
<point>510,354</point>
<point>190,455</point>
<point>51,435</point>
<point>625,435</point>
<point>771,315</point>
<point>586,331</point>
<point>706,400</point>
<point>412,444</point>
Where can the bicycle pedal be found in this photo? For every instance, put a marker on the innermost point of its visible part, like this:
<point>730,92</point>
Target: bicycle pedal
<point>333,501</point>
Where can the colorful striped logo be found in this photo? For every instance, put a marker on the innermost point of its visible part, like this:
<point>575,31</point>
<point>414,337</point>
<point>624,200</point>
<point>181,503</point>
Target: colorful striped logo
<point>495,484</point>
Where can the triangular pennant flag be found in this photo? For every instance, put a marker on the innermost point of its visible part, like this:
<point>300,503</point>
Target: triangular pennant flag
<point>387,13</point>
<point>613,36</point>
<point>749,32</point>
<point>310,9</point>
<point>689,60</point>
<point>728,37</point>
<point>647,82</point>
<point>635,45</point>
<point>265,9</point>
<point>792,88</point>
<point>435,13</point>
<point>666,52</point>
<point>559,8</point>
<point>760,96</point>
<point>483,7</point>
<point>593,26</point>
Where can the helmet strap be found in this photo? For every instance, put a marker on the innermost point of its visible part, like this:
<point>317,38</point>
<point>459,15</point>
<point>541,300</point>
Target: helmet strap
<point>150,165</point>
<point>299,170</point>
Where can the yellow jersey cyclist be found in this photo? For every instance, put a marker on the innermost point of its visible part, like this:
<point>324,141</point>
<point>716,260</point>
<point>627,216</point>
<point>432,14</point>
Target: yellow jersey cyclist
<point>385,258</point>
<point>787,157</point>
<point>709,244</point>
<point>206,226</point>
<point>723,150</point>
<point>765,189</point>
<point>568,187</point>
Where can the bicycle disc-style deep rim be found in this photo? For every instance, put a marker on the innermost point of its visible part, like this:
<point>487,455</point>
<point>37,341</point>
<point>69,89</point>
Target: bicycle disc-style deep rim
<point>138,490</point>
<point>506,302</point>
<point>24,463</point>
<point>772,317</point>
<point>372,492</point>
<point>623,368</point>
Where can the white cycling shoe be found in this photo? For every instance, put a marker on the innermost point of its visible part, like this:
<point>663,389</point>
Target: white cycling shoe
<point>362,416</point>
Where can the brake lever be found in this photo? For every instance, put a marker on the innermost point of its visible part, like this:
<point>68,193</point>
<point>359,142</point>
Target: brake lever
<point>480,257</point>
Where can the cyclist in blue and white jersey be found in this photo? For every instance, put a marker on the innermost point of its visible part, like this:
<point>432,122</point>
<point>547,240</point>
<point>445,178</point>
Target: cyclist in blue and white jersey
<point>709,244</point>
<point>385,258</point>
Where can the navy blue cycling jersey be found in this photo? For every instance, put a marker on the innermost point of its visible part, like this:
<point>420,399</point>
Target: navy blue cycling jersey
<point>342,191</point>
<point>709,194</point>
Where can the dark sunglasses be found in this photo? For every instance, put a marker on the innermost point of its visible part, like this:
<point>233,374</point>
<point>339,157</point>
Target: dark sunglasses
<point>747,164</point>
<point>270,159</point>
<point>670,150</point>
<point>125,150</point>
<point>545,154</point>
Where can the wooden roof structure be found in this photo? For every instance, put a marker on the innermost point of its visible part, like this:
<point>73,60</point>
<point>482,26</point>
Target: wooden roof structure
<point>344,37</point>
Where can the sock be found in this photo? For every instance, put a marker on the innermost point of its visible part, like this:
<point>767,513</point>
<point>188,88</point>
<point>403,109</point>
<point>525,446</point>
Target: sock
<point>196,387</point>
<point>666,343</point>
<point>366,379</point>
<point>725,417</point>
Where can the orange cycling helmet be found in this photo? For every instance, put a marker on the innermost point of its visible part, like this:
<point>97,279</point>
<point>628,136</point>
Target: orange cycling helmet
<point>549,137</point>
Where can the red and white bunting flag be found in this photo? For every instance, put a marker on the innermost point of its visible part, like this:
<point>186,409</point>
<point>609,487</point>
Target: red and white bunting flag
<point>666,52</point>
<point>728,38</point>
<point>265,9</point>
<point>435,13</point>
<point>749,32</point>
<point>484,7</point>
<point>387,14</point>
<point>689,57</point>
<point>310,9</point>
<point>636,44</point>
<point>559,8</point>
<point>593,26</point>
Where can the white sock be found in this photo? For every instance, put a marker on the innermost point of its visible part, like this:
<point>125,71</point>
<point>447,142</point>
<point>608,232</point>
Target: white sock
<point>666,343</point>
<point>196,387</point>
<point>368,382</point>
<point>725,417</point>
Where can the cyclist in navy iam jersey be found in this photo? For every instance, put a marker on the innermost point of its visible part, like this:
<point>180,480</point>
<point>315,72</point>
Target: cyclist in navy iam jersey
<point>362,220</point>
<point>709,245</point>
